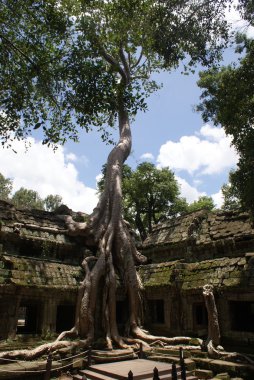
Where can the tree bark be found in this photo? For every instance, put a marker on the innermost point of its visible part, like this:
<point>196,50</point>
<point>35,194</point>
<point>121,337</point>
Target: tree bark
<point>213,339</point>
<point>212,343</point>
<point>116,255</point>
<point>213,320</point>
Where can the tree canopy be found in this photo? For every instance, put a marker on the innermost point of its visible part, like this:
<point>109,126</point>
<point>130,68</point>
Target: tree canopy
<point>150,195</point>
<point>228,99</point>
<point>231,199</point>
<point>52,202</point>
<point>69,64</point>
<point>27,198</point>
<point>5,188</point>
<point>61,61</point>
<point>204,202</point>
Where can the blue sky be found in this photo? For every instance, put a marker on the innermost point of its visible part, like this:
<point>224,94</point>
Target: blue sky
<point>170,134</point>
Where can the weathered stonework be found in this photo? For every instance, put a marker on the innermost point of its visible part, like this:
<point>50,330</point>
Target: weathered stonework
<point>200,236</point>
<point>40,273</point>
<point>197,249</point>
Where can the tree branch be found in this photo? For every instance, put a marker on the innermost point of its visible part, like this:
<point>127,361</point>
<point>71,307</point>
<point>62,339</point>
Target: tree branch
<point>139,59</point>
<point>110,59</point>
<point>28,59</point>
<point>14,47</point>
<point>125,63</point>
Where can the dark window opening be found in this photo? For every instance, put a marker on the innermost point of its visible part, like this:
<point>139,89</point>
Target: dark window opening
<point>156,311</point>
<point>242,315</point>
<point>65,317</point>
<point>27,319</point>
<point>200,317</point>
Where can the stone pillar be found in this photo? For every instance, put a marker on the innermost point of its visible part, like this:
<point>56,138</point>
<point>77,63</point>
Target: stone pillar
<point>49,317</point>
<point>13,310</point>
<point>4,317</point>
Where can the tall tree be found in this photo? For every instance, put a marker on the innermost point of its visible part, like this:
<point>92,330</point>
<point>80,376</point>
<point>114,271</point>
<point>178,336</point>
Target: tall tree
<point>231,199</point>
<point>89,63</point>
<point>27,199</point>
<point>150,195</point>
<point>52,202</point>
<point>5,188</point>
<point>227,99</point>
<point>203,202</point>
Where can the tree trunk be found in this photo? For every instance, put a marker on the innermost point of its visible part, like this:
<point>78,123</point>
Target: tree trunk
<point>213,339</point>
<point>212,343</point>
<point>140,225</point>
<point>116,255</point>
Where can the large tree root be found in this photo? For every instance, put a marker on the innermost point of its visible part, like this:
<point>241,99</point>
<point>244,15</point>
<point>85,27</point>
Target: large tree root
<point>212,343</point>
<point>219,353</point>
<point>42,350</point>
<point>114,256</point>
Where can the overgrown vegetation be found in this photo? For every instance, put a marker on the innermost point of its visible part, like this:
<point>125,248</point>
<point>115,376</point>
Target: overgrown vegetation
<point>85,64</point>
<point>228,100</point>
<point>26,198</point>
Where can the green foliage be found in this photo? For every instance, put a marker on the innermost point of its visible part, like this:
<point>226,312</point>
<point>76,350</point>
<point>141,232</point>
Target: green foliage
<point>246,8</point>
<point>228,99</point>
<point>231,199</point>
<point>29,199</point>
<point>150,195</point>
<point>64,63</point>
<point>243,178</point>
<point>203,203</point>
<point>52,202</point>
<point>5,188</point>
<point>25,198</point>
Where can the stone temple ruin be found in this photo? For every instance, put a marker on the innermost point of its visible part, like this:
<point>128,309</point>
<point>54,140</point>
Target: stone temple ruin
<point>40,272</point>
<point>190,251</point>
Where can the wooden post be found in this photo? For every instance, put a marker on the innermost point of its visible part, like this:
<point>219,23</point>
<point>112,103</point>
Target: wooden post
<point>130,375</point>
<point>181,353</point>
<point>48,366</point>
<point>182,364</point>
<point>174,372</point>
<point>183,370</point>
<point>141,353</point>
<point>156,374</point>
<point>89,356</point>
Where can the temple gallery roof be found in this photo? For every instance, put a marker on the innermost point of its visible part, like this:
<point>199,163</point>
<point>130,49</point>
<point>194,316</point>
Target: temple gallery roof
<point>39,234</point>
<point>223,273</point>
<point>201,235</point>
<point>23,271</point>
<point>36,251</point>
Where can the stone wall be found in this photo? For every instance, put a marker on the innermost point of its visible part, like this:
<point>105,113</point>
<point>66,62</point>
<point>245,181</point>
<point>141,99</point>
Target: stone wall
<point>36,233</point>
<point>39,272</point>
<point>197,249</point>
<point>199,236</point>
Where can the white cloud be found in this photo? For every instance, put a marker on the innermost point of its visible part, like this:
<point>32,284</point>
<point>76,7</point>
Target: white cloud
<point>78,159</point>
<point>209,152</point>
<point>197,182</point>
<point>71,157</point>
<point>211,133</point>
<point>218,199</point>
<point>187,191</point>
<point>147,156</point>
<point>47,172</point>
